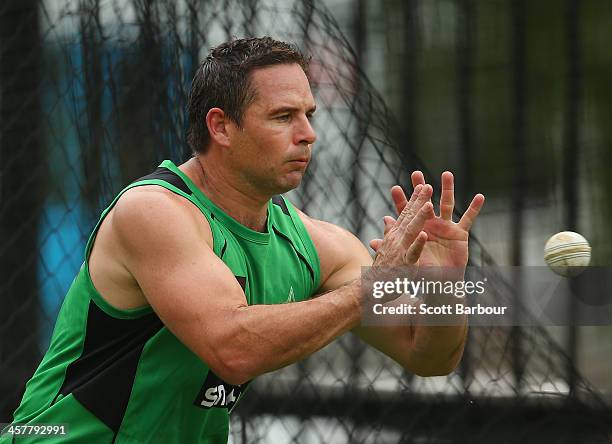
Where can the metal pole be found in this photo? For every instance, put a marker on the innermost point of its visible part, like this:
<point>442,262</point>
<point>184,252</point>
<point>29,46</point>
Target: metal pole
<point>356,433</point>
<point>92,141</point>
<point>22,178</point>
<point>519,48</point>
<point>570,161</point>
<point>464,60</point>
<point>409,132</point>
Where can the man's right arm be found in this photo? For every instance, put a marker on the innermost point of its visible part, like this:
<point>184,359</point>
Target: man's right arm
<point>168,252</point>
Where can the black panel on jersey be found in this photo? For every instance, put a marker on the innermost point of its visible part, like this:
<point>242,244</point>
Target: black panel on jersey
<point>242,281</point>
<point>223,248</point>
<point>171,177</point>
<point>102,378</point>
<point>300,255</point>
<point>278,200</point>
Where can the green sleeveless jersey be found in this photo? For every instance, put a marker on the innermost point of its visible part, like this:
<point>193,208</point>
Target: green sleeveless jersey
<point>120,376</point>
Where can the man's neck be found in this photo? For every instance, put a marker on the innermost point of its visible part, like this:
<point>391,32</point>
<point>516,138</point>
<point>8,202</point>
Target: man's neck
<point>250,210</point>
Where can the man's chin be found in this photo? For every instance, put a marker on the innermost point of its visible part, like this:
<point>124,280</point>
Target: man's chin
<point>290,182</point>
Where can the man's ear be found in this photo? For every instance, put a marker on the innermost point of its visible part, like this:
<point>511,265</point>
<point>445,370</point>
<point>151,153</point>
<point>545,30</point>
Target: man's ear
<point>217,121</point>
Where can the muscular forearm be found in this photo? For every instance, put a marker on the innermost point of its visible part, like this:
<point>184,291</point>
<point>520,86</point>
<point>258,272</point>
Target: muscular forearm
<point>439,340</point>
<point>266,337</point>
<point>424,346</point>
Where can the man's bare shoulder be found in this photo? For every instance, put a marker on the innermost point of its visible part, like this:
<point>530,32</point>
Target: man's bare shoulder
<point>147,210</point>
<point>147,223</point>
<point>140,199</point>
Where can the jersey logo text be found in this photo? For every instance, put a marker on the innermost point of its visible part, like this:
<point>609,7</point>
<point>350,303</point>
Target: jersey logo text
<point>216,393</point>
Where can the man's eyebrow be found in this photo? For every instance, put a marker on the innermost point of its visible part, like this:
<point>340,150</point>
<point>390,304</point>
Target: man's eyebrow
<point>284,109</point>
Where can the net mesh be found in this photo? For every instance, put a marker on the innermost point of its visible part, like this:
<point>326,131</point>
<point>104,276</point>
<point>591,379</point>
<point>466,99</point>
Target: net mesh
<point>93,96</point>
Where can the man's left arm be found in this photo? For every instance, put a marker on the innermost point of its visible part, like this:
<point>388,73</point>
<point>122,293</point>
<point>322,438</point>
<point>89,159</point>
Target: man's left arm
<point>426,350</point>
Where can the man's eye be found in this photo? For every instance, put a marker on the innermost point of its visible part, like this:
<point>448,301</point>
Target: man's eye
<point>310,116</point>
<point>283,117</point>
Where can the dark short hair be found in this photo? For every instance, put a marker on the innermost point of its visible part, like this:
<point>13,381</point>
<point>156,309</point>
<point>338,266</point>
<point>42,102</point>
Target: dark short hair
<point>223,81</point>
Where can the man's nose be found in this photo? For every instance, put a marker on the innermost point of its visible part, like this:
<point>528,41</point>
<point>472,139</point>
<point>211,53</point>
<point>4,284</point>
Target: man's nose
<point>306,133</point>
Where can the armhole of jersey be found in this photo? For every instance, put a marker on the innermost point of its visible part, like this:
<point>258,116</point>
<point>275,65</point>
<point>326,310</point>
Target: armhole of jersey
<point>306,241</point>
<point>96,296</point>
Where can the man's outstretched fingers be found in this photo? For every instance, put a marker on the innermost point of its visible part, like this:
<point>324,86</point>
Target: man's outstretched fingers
<point>415,194</point>
<point>399,198</point>
<point>409,208</point>
<point>375,244</point>
<point>389,222</point>
<point>447,197</point>
<point>417,178</point>
<point>414,251</point>
<point>471,213</point>
<point>418,222</point>
<point>423,198</point>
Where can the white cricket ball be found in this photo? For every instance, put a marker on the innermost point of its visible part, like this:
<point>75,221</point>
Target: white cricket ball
<point>567,253</point>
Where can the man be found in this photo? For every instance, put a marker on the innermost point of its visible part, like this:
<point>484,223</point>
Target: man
<point>182,298</point>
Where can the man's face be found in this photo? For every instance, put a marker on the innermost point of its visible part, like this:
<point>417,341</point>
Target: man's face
<point>272,149</point>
